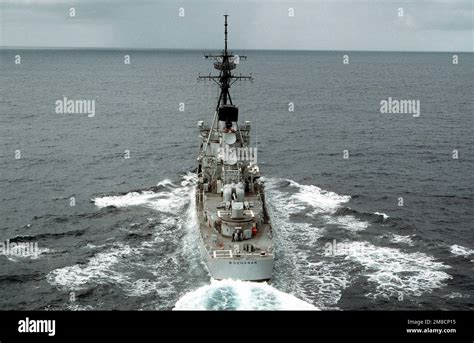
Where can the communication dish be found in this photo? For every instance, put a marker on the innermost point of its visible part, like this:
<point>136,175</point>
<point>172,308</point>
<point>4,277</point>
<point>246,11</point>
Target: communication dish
<point>230,157</point>
<point>229,138</point>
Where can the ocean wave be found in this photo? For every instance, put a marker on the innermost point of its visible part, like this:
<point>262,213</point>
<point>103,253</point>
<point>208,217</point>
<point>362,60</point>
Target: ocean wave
<point>168,199</point>
<point>348,222</point>
<point>239,295</point>
<point>460,250</point>
<point>99,269</point>
<point>383,215</point>
<point>45,236</point>
<point>401,239</point>
<point>321,200</point>
<point>394,272</point>
<point>164,201</point>
<point>324,204</point>
<point>143,267</point>
<point>311,279</point>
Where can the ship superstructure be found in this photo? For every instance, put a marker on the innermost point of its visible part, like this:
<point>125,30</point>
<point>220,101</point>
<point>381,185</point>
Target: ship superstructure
<point>235,231</point>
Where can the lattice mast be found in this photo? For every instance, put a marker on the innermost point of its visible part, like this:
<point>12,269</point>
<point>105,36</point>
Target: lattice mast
<point>225,63</point>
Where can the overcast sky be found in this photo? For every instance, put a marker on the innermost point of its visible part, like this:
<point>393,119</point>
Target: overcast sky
<point>426,25</point>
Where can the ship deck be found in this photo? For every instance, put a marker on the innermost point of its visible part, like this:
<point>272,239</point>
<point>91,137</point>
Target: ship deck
<point>221,246</point>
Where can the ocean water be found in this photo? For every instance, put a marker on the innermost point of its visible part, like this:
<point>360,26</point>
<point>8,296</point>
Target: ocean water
<point>343,240</point>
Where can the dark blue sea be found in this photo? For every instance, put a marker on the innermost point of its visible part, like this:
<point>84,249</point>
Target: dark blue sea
<point>371,210</point>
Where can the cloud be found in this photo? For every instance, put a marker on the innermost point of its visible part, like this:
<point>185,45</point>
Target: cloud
<point>324,25</point>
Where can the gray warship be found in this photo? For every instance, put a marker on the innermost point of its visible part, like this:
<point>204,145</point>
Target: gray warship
<point>234,227</point>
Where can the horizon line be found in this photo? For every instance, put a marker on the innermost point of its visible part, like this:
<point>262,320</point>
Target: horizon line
<point>209,49</point>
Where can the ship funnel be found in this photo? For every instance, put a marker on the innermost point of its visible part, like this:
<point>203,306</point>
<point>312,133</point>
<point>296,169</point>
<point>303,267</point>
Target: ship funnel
<point>228,113</point>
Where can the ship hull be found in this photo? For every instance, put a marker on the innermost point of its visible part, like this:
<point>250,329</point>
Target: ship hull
<point>243,268</point>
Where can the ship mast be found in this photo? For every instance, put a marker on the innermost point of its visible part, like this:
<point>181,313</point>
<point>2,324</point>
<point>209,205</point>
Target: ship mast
<point>225,63</point>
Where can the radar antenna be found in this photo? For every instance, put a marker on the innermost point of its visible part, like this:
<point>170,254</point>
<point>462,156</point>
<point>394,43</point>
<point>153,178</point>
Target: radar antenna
<point>225,62</point>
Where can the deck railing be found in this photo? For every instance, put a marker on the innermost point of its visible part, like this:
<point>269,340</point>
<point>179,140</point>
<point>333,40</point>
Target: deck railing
<point>231,254</point>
